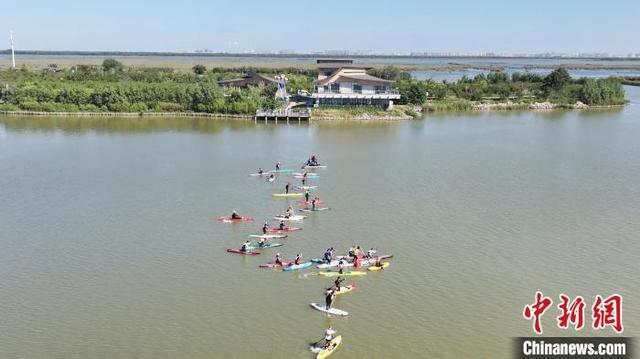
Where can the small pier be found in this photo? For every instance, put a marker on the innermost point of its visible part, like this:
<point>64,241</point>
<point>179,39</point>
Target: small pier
<point>283,115</point>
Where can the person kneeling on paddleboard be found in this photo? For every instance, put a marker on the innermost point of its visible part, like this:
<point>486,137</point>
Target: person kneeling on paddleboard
<point>328,337</point>
<point>289,213</point>
<point>260,171</point>
<point>278,261</point>
<point>298,259</point>
<point>313,204</point>
<point>371,253</point>
<point>282,226</point>
<point>235,215</point>
<point>245,246</point>
<point>262,242</point>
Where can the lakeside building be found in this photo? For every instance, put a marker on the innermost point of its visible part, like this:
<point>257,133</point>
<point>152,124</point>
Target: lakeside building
<point>342,83</point>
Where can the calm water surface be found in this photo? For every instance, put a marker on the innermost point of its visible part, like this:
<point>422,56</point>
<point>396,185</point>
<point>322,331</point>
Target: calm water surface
<point>108,247</point>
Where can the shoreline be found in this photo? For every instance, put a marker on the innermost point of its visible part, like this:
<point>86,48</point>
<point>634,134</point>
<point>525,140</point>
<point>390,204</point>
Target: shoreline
<point>494,107</point>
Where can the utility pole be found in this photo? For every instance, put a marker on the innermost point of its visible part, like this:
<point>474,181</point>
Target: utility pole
<point>13,53</point>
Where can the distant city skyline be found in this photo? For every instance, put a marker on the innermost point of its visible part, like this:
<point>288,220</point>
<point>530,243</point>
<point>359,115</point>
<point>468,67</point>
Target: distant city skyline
<point>402,27</point>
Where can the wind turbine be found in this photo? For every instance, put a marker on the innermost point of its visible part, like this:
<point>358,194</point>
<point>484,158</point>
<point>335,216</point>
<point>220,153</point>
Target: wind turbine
<point>13,54</point>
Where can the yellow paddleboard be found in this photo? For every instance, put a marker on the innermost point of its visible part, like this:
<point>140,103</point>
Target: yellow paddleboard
<point>335,343</point>
<point>384,265</point>
<point>295,194</point>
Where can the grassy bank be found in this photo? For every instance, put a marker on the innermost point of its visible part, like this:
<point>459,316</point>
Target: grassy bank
<point>112,88</point>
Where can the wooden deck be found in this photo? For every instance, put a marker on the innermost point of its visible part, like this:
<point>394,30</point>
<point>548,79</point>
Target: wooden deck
<point>283,115</point>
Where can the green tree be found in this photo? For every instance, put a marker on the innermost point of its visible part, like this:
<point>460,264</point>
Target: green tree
<point>556,80</point>
<point>111,65</point>
<point>199,69</point>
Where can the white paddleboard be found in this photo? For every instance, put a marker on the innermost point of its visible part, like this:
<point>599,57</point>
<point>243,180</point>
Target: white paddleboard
<point>268,236</point>
<point>334,311</point>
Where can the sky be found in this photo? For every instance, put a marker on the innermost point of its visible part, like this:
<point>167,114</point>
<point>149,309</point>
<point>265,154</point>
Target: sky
<point>378,26</point>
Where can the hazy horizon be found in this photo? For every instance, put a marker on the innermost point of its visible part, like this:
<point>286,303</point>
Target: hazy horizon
<point>377,27</point>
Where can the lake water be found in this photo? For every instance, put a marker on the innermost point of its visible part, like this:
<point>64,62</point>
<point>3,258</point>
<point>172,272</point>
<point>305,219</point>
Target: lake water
<point>109,247</point>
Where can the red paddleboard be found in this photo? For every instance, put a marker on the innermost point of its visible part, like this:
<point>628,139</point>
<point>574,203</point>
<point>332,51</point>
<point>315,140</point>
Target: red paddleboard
<point>305,203</point>
<point>286,229</point>
<point>233,220</point>
<point>273,265</point>
<point>237,251</point>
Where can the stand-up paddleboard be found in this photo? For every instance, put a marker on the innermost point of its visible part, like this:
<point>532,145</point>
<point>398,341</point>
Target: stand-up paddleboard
<point>271,179</point>
<point>353,273</point>
<point>298,266</point>
<point>333,345</point>
<point>273,265</point>
<point>296,218</point>
<point>311,167</point>
<point>308,203</point>
<point>375,268</point>
<point>304,188</point>
<point>294,194</point>
<point>286,229</point>
<point>309,174</point>
<point>286,170</point>
<point>365,262</point>
<point>308,177</point>
<point>268,236</point>
<point>346,289</point>
<point>334,311</point>
<point>234,220</point>
<point>333,263</point>
<point>265,173</point>
<point>238,251</point>
<point>318,209</point>
<point>266,246</point>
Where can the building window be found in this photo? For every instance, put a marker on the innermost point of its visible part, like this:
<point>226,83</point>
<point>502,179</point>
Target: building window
<point>335,87</point>
<point>357,88</point>
<point>325,88</point>
<point>380,89</point>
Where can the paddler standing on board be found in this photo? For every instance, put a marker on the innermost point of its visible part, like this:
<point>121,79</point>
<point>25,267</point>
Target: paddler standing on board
<point>278,166</point>
<point>286,187</point>
<point>313,204</point>
<point>342,264</point>
<point>306,195</point>
<point>328,299</point>
<point>337,283</point>
<point>328,255</point>
<point>265,227</point>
